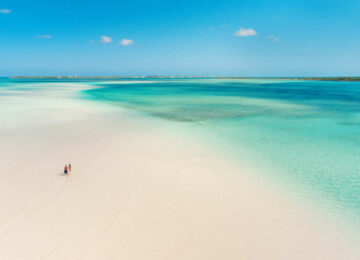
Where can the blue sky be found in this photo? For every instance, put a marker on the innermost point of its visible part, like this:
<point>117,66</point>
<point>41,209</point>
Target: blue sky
<point>231,38</point>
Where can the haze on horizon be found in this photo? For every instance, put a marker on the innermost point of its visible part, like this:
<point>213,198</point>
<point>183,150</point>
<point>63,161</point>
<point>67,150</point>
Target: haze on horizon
<point>227,38</point>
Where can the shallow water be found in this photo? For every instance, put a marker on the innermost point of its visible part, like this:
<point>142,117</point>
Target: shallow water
<point>304,136</point>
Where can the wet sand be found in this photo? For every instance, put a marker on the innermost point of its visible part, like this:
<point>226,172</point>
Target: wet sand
<point>139,189</point>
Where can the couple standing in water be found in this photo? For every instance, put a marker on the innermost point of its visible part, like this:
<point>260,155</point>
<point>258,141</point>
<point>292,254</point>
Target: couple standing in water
<point>67,169</point>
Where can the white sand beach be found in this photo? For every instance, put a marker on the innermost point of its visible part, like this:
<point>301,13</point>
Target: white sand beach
<point>139,189</point>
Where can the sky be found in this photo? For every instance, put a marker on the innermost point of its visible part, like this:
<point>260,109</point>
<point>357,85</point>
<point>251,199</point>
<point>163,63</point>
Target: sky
<point>254,38</point>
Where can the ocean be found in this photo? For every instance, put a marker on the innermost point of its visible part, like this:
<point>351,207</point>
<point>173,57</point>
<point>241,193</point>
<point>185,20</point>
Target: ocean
<point>302,136</point>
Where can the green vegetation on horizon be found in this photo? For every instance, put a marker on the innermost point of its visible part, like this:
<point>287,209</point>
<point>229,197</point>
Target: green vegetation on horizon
<point>157,76</point>
<point>300,78</point>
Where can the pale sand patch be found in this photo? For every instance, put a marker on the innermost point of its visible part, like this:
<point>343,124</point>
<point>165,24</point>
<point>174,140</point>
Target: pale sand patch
<point>139,190</point>
<point>127,82</point>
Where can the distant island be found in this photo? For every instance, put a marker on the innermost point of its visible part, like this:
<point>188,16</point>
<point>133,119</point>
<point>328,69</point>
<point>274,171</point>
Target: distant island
<point>165,77</point>
<point>105,77</point>
<point>300,78</point>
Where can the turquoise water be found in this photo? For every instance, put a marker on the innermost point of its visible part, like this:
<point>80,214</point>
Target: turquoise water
<point>304,136</point>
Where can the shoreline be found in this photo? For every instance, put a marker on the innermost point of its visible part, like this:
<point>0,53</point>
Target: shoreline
<point>335,78</point>
<point>139,189</point>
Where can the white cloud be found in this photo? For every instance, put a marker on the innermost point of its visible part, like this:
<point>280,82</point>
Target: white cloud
<point>45,36</point>
<point>273,38</point>
<point>245,32</point>
<point>5,11</point>
<point>106,39</point>
<point>126,42</point>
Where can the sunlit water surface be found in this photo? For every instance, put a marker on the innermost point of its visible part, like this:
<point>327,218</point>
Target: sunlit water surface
<point>304,136</point>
